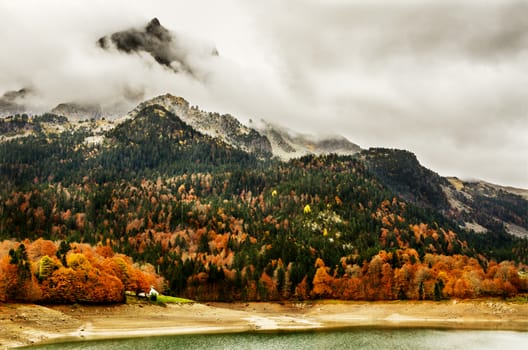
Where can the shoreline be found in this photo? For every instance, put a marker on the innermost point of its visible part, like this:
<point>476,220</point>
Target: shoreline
<point>28,324</point>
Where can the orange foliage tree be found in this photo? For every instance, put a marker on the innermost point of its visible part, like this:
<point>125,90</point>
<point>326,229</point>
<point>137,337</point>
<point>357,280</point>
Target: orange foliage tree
<point>81,274</point>
<point>323,283</point>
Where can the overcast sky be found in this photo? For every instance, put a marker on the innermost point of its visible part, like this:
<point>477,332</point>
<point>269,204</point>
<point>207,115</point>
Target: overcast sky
<point>447,80</point>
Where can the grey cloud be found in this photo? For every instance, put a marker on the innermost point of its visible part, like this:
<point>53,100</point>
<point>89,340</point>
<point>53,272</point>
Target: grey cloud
<point>12,101</point>
<point>444,79</point>
<point>58,57</point>
<point>479,32</point>
<point>160,43</point>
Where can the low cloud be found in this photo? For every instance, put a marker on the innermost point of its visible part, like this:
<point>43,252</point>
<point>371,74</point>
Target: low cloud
<point>446,80</point>
<point>443,79</point>
<point>165,47</point>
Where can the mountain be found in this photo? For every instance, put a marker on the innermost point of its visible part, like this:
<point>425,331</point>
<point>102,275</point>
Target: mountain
<point>163,45</point>
<point>263,140</point>
<point>193,196</point>
<point>517,191</point>
<point>49,146</point>
<point>401,172</point>
<point>473,206</point>
<point>18,126</point>
<point>157,139</point>
<point>482,206</point>
<point>78,111</point>
<point>476,206</point>
<point>287,145</point>
<point>152,44</point>
<point>222,126</point>
<point>12,102</point>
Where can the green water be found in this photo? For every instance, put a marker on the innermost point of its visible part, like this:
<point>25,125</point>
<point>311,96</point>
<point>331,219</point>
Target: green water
<point>350,339</point>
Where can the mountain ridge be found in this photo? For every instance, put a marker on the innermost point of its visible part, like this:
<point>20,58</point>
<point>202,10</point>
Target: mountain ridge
<point>266,139</point>
<point>222,126</point>
<point>475,206</point>
<point>221,223</point>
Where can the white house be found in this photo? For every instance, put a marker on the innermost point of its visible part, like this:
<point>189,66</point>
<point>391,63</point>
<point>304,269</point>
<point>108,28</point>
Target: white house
<point>153,292</point>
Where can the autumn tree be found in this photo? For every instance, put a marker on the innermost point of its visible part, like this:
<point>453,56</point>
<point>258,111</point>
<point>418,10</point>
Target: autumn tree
<point>323,283</point>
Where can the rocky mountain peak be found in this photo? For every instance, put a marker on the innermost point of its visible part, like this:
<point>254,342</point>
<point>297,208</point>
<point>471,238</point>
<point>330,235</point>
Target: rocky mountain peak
<point>266,139</point>
<point>223,126</point>
<point>162,44</point>
<point>155,28</point>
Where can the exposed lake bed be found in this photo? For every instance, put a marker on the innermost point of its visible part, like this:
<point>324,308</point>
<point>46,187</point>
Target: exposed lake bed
<point>26,324</point>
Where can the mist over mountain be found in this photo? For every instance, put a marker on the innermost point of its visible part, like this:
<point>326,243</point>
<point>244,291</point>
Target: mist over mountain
<point>108,76</point>
<point>156,40</point>
<point>288,144</point>
<point>12,102</point>
<point>364,70</point>
<point>76,111</point>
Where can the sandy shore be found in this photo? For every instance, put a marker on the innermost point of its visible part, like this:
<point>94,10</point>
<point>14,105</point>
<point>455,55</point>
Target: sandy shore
<point>22,324</point>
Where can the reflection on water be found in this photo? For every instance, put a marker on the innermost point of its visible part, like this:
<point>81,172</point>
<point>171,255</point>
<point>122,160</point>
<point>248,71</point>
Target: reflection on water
<point>349,339</point>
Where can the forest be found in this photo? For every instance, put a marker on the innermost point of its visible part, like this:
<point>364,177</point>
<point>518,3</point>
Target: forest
<point>159,204</point>
<point>42,271</point>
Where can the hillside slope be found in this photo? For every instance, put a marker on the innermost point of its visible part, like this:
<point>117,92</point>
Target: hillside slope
<point>221,223</point>
<point>476,206</point>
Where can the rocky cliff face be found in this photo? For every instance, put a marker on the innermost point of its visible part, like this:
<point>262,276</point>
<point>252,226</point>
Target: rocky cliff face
<point>483,206</point>
<point>473,205</point>
<point>263,140</point>
<point>222,126</point>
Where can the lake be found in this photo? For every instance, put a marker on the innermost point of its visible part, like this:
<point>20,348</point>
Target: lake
<point>357,338</point>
